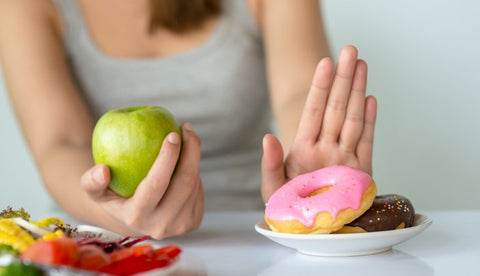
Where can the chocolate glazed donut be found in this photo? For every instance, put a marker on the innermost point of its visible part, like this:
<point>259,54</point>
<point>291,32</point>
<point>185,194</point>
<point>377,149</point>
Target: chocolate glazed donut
<point>388,212</point>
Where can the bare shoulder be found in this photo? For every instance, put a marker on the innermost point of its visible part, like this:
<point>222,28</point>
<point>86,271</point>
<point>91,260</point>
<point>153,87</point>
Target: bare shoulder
<point>24,9</point>
<point>27,16</point>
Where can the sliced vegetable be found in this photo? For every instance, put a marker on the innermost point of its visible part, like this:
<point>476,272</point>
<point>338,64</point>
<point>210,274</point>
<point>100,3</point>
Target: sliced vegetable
<point>91,257</point>
<point>130,242</point>
<point>13,235</point>
<point>171,251</point>
<point>133,264</point>
<point>47,222</point>
<point>69,246</point>
<point>109,245</point>
<point>67,229</point>
<point>20,269</point>
<point>131,251</point>
<point>53,235</point>
<point>136,264</point>
<point>10,213</point>
<point>60,251</point>
<point>30,227</point>
<point>8,249</point>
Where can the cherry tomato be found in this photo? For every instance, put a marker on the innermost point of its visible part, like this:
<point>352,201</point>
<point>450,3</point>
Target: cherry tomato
<point>92,257</point>
<point>131,251</point>
<point>171,251</point>
<point>152,259</point>
<point>60,251</point>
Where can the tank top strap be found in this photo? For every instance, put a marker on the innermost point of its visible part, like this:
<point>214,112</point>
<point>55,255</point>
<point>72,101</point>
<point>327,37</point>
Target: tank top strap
<point>240,12</point>
<point>71,16</point>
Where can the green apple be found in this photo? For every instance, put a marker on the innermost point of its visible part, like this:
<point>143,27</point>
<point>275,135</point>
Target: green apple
<point>128,141</point>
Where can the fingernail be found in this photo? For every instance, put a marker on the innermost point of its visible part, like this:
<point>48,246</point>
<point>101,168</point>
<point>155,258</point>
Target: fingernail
<point>188,126</point>
<point>98,175</point>
<point>324,61</point>
<point>264,141</point>
<point>173,138</point>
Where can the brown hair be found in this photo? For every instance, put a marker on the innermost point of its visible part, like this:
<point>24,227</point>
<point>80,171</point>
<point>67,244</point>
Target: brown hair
<point>182,15</point>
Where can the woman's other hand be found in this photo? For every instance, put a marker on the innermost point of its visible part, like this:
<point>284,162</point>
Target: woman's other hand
<point>168,202</point>
<point>336,127</point>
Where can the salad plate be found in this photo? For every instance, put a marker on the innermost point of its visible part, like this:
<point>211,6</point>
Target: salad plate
<point>345,244</point>
<point>50,247</point>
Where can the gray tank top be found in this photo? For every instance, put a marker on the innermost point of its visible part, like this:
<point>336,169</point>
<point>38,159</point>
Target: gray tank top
<point>220,86</point>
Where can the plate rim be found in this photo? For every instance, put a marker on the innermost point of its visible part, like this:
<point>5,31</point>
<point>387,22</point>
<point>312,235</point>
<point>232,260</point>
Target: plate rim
<point>100,230</point>
<point>422,225</point>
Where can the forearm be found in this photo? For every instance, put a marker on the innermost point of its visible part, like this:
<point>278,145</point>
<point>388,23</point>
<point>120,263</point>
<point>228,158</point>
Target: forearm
<point>294,41</point>
<point>288,100</point>
<point>287,112</point>
<point>61,168</point>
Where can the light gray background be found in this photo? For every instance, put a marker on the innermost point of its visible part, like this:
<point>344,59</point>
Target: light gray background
<point>423,61</point>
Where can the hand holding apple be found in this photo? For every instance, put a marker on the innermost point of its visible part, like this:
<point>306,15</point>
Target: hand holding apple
<point>168,201</point>
<point>128,140</point>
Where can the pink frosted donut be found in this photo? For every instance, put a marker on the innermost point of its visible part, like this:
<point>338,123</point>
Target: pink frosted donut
<point>321,201</point>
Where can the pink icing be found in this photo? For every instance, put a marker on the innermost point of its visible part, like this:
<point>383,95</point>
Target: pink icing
<point>291,201</point>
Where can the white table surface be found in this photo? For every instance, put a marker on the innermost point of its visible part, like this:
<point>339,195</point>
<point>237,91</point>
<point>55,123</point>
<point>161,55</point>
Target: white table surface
<point>227,244</point>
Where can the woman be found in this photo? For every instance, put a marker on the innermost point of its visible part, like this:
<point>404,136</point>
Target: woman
<point>217,65</point>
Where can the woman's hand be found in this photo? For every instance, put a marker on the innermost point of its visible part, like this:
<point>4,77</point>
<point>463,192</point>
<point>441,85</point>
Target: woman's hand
<point>169,201</point>
<point>336,128</point>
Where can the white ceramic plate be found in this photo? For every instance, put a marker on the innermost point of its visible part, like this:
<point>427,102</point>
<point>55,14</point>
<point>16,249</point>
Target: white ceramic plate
<point>345,244</point>
<point>98,230</point>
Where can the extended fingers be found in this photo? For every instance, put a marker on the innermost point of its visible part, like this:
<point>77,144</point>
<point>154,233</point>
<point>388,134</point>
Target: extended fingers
<point>312,116</point>
<point>152,188</point>
<point>353,124</point>
<point>339,95</point>
<point>365,145</point>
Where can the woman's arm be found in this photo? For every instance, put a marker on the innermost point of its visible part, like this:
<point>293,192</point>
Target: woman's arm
<point>56,123</point>
<point>53,117</point>
<point>294,43</point>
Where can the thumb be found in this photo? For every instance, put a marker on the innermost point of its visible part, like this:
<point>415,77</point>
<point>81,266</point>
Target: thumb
<point>273,169</point>
<point>95,181</point>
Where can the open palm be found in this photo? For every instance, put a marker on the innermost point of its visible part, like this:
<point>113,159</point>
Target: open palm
<point>336,128</point>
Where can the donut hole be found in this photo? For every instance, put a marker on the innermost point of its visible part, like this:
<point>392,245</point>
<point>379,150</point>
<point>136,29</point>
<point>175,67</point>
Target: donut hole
<point>319,191</point>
